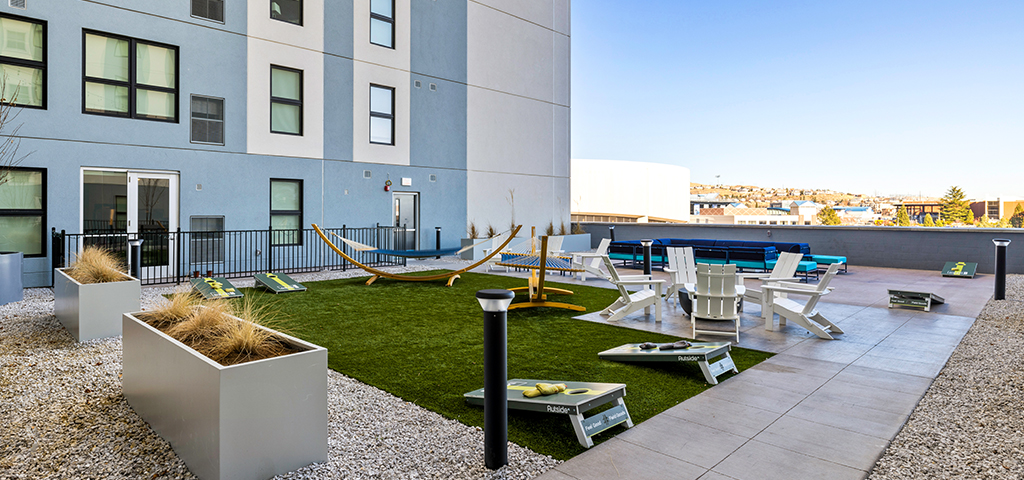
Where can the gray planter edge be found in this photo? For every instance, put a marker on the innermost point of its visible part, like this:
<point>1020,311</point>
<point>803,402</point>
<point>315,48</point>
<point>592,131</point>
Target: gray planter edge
<point>90,311</point>
<point>251,420</point>
<point>11,287</point>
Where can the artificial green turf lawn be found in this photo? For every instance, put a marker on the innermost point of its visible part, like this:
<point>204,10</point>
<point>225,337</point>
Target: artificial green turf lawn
<point>423,342</point>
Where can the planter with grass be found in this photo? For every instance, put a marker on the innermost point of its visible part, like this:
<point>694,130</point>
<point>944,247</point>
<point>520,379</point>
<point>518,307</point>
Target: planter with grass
<point>253,404</point>
<point>10,277</point>
<point>90,296</point>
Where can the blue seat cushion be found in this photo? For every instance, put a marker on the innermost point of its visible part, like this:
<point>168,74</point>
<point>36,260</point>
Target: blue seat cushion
<point>804,266</point>
<point>825,259</point>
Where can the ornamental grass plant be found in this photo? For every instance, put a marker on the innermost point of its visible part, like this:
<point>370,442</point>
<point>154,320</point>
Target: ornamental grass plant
<point>96,265</point>
<point>228,332</point>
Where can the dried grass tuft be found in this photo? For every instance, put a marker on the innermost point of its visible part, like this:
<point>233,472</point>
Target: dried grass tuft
<point>179,306</point>
<point>562,230</point>
<point>96,265</point>
<point>491,232</point>
<point>210,327</point>
<point>550,230</point>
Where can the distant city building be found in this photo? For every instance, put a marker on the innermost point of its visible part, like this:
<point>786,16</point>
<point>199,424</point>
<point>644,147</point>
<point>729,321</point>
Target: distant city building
<point>917,210</point>
<point>624,191</point>
<point>996,208</point>
<point>703,201</point>
<point>800,212</point>
<point>856,215</point>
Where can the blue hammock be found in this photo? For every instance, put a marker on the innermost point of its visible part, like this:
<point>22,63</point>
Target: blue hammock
<point>406,253</point>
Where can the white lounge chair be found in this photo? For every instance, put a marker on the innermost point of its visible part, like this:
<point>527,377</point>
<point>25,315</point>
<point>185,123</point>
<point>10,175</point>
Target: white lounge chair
<point>593,266</point>
<point>630,302</point>
<point>804,315</point>
<point>496,242</point>
<point>554,245</point>
<point>784,270</point>
<point>682,273</point>
<point>715,298</point>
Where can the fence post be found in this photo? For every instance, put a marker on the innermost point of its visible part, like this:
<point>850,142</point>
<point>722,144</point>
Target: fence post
<point>270,248</point>
<point>177,241</point>
<point>437,242</point>
<point>344,233</point>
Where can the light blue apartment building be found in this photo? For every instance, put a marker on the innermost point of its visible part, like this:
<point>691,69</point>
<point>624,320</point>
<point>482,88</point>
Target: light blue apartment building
<point>146,115</point>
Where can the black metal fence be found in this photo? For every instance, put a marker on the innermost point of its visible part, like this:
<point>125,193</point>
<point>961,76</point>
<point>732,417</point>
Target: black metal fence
<point>173,257</point>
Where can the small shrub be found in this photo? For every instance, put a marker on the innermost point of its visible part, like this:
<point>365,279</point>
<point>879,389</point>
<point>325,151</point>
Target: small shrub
<point>550,230</point>
<point>491,232</point>
<point>178,307</point>
<point>562,230</point>
<point>96,265</point>
<point>577,229</point>
<point>473,233</point>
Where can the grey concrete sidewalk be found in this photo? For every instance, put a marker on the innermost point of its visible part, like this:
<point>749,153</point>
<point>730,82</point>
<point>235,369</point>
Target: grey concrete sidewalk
<point>818,408</point>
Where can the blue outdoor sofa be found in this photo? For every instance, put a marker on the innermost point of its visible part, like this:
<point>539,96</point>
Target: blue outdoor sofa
<point>746,255</point>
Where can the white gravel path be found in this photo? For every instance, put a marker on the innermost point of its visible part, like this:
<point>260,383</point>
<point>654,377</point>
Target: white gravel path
<point>62,414</point>
<point>970,423</point>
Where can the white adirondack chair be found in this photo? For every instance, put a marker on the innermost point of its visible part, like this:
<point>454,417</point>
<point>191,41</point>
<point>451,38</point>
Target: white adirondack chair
<point>682,272</point>
<point>512,247</point>
<point>805,314</point>
<point>785,269</point>
<point>715,298</point>
<point>630,302</point>
<point>593,267</point>
<point>554,245</point>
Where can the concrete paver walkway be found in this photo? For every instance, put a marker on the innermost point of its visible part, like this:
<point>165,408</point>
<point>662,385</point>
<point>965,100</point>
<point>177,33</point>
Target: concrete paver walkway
<point>818,408</point>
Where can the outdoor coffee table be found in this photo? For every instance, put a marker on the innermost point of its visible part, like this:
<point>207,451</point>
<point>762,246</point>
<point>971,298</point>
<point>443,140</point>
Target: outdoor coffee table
<point>702,353</point>
<point>914,299</point>
<point>571,404</point>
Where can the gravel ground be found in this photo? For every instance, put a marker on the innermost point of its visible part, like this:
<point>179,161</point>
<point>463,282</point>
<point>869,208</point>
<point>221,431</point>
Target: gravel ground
<point>970,423</point>
<point>62,414</point>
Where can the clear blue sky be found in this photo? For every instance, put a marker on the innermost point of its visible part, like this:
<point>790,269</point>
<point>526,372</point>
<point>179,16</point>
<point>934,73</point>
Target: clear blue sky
<point>859,96</point>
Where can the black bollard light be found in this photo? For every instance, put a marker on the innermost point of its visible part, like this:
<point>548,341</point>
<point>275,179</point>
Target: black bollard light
<point>438,241</point>
<point>495,304</point>
<point>135,250</point>
<point>1001,243</point>
<point>647,255</point>
<point>611,232</point>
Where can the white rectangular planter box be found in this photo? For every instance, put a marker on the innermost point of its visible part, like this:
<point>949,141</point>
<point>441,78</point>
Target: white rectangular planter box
<point>579,242</point>
<point>248,421</point>
<point>94,310</point>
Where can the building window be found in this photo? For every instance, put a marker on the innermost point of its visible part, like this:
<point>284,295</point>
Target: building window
<point>285,100</point>
<point>286,211</point>
<point>125,77</point>
<point>23,212</point>
<point>286,11</point>
<point>207,120</point>
<point>23,61</point>
<point>206,239</point>
<point>382,23</point>
<point>382,117</point>
<point>208,9</point>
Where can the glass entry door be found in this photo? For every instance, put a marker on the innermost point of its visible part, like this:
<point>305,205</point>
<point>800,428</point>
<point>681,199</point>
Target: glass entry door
<point>153,215</point>
<point>407,215</point>
<point>119,204</point>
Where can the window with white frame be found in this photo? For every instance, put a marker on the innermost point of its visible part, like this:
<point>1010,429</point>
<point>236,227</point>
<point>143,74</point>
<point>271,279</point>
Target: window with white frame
<point>382,115</point>
<point>382,23</point>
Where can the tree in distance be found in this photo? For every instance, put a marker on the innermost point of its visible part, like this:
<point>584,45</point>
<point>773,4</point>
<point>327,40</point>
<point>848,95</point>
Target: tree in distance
<point>1017,219</point>
<point>928,222</point>
<point>902,219</point>
<point>827,216</point>
<point>954,206</point>
<point>970,217</point>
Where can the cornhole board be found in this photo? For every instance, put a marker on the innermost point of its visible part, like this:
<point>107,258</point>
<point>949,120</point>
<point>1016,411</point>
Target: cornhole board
<point>215,287</point>
<point>923,300</point>
<point>959,269</point>
<point>573,405</point>
<point>702,353</point>
<point>278,283</point>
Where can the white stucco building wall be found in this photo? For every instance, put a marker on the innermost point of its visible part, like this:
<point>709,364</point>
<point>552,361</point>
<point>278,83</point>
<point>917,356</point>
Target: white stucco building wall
<point>651,191</point>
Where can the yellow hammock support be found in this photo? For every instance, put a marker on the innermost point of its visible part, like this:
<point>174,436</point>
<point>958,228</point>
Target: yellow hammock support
<point>451,276</point>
